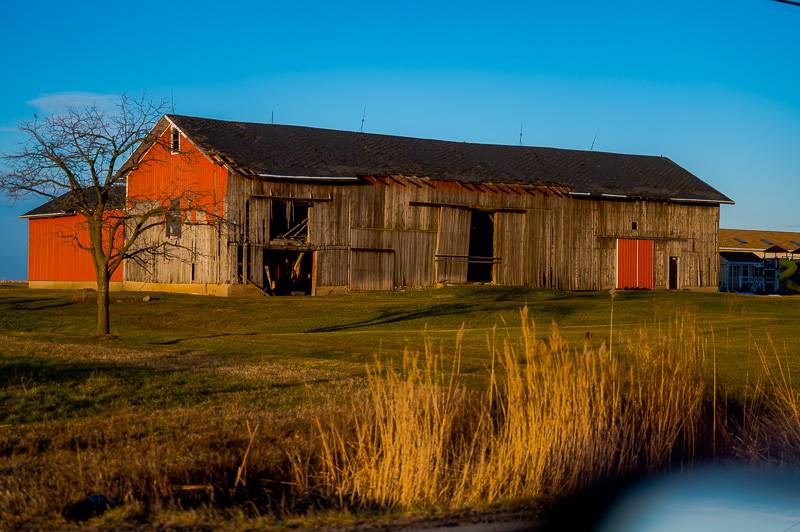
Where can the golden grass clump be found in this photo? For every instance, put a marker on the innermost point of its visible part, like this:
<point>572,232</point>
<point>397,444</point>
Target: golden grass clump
<point>550,419</point>
<point>771,420</point>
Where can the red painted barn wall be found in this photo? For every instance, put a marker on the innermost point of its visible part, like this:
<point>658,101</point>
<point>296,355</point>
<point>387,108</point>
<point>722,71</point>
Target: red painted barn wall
<point>163,175</point>
<point>53,254</point>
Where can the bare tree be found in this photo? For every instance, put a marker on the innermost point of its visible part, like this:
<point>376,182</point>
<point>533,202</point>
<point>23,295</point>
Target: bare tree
<point>81,158</point>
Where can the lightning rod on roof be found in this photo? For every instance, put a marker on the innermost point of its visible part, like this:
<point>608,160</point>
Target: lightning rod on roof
<point>593,141</point>
<point>172,99</point>
<point>520,134</point>
<point>272,117</point>
<point>363,116</point>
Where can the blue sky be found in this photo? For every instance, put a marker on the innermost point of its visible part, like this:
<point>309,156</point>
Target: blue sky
<point>712,85</point>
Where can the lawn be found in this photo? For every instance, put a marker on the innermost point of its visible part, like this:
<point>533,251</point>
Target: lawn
<point>181,370</point>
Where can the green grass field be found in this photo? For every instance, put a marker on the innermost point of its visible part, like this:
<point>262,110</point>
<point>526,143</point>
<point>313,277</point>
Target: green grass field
<point>187,369</point>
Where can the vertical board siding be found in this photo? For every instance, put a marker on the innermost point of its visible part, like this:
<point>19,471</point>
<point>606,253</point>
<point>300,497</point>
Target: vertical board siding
<point>513,251</point>
<point>452,245</point>
<point>371,270</point>
<point>635,263</point>
<point>162,174</point>
<point>645,251</point>
<point>54,253</point>
<point>626,264</point>
<point>203,246</point>
<point>332,267</point>
<point>543,237</point>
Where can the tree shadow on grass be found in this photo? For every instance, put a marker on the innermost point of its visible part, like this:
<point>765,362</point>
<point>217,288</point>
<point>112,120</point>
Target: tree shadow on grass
<point>394,316</point>
<point>551,304</point>
<point>36,388</point>
<point>390,316</point>
<point>38,303</point>
<point>221,335</point>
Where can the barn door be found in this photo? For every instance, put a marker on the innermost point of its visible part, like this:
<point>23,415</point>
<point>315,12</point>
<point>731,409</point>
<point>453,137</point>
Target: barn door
<point>481,247</point>
<point>452,245</point>
<point>673,273</point>
<point>371,270</point>
<point>635,263</point>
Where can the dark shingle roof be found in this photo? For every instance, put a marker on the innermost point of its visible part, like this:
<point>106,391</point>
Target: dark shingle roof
<point>67,203</point>
<point>303,151</point>
<point>739,256</point>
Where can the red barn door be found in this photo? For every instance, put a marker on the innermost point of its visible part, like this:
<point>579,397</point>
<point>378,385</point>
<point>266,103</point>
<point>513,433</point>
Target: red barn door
<point>635,263</point>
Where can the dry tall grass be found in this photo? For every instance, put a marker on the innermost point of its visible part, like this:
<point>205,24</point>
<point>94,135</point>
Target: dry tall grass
<point>770,431</point>
<point>552,419</point>
<point>545,419</point>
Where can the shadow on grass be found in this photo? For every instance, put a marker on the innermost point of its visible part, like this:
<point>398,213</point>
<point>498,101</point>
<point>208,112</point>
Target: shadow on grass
<point>221,335</point>
<point>15,303</point>
<point>35,389</point>
<point>394,316</point>
<point>509,299</point>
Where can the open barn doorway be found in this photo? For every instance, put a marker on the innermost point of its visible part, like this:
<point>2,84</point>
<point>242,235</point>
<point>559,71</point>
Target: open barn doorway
<point>287,272</point>
<point>481,247</point>
<point>673,273</point>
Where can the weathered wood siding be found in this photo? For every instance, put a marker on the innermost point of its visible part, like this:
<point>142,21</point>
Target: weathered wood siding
<point>198,256</point>
<point>542,236</point>
<point>372,270</point>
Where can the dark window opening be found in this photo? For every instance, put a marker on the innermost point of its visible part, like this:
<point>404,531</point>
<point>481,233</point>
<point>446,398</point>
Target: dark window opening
<point>634,226</point>
<point>481,247</point>
<point>287,273</point>
<point>288,220</point>
<point>175,144</point>
<point>173,219</point>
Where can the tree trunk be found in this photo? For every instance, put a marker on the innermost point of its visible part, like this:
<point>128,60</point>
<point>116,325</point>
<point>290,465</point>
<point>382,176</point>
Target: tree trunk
<point>103,324</point>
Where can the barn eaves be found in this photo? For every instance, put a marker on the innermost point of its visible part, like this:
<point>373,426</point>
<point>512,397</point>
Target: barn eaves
<point>67,203</point>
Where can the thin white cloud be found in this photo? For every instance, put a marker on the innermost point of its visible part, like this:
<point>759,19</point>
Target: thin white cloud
<point>60,101</point>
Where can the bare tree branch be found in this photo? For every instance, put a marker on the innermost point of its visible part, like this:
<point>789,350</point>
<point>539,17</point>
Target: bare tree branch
<point>81,158</point>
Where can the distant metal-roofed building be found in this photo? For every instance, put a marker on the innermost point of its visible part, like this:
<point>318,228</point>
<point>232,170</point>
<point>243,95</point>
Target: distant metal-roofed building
<point>759,261</point>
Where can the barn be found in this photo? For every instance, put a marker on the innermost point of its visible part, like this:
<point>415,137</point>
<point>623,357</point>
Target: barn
<point>300,210</point>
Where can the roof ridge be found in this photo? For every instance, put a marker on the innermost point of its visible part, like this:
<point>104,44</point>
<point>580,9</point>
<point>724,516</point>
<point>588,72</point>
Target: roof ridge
<point>428,139</point>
